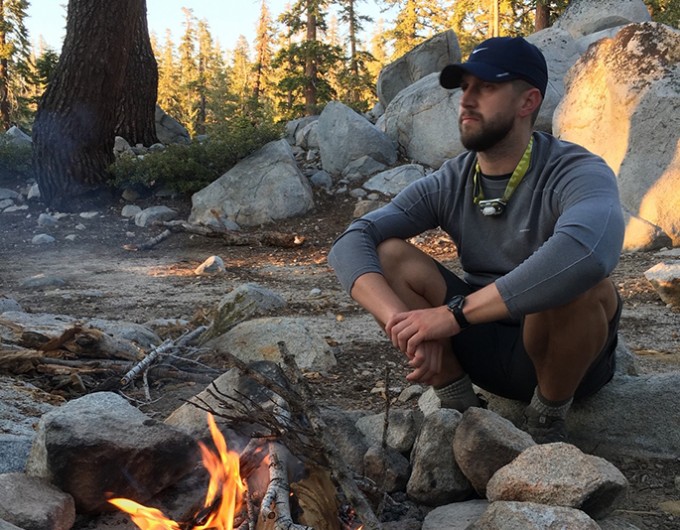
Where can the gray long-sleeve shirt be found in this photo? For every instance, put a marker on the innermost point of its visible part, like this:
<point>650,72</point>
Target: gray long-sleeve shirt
<point>560,234</point>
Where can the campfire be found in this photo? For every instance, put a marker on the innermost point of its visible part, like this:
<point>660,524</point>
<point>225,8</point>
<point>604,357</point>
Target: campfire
<point>223,499</point>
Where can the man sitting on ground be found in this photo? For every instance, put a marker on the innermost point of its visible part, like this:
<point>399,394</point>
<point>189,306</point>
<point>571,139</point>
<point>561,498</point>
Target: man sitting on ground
<point>538,227</point>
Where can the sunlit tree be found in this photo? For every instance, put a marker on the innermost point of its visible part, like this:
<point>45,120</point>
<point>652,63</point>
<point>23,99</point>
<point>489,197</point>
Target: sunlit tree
<point>303,60</point>
<point>15,53</point>
<point>356,80</point>
<point>263,53</point>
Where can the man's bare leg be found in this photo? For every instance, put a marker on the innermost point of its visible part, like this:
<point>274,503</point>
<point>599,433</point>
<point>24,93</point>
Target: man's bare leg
<point>563,343</point>
<point>415,278</point>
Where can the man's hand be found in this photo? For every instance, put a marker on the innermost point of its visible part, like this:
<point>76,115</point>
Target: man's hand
<point>410,329</point>
<point>426,362</point>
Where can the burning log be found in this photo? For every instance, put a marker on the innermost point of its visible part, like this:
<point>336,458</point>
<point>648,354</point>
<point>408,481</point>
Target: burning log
<point>312,441</point>
<point>276,501</point>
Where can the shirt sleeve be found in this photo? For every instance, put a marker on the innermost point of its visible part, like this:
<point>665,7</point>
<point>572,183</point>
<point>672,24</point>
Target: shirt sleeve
<point>409,214</point>
<point>584,248</point>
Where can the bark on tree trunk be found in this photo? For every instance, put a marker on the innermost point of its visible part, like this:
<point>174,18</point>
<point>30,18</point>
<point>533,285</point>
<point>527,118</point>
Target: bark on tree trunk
<point>4,88</point>
<point>310,65</point>
<point>137,110</point>
<point>74,127</point>
<point>542,15</point>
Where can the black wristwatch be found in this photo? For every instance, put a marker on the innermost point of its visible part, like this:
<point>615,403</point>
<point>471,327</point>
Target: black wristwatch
<point>455,305</point>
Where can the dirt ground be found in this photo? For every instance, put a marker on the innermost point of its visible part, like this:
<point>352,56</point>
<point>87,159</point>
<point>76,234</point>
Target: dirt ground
<point>104,280</point>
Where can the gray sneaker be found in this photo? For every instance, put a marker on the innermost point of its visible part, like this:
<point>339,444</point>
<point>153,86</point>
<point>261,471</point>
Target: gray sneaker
<point>544,429</point>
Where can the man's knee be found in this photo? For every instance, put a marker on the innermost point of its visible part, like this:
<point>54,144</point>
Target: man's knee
<point>600,299</point>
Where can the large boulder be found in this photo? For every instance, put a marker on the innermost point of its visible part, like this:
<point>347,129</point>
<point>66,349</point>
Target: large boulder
<point>169,130</point>
<point>622,102</point>
<point>263,188</point>
<point>345,136</point>
<point>584,17</point>
<point>426,58</point>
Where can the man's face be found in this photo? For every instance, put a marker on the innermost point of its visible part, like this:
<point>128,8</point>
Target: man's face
<point>487,113</point>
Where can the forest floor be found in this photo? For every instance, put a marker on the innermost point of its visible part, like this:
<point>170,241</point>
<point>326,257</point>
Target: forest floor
<point>104,280</point>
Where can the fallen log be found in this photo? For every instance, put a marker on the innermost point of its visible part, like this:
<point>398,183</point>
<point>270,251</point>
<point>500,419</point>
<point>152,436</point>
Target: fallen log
<point>229,237</point>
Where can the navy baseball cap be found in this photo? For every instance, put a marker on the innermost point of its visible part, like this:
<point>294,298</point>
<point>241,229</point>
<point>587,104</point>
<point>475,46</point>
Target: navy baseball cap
<point>500,59</point>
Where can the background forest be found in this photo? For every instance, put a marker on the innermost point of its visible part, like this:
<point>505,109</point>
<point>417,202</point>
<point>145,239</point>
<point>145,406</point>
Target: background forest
<point>314,52</point>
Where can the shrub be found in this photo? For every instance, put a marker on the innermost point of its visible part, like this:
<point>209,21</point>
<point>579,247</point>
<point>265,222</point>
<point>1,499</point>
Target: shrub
<point>188,168</point>
<point>15,161</point>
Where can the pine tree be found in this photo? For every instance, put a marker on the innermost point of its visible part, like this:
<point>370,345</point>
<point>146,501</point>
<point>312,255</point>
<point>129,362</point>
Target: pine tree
<point>73,133</point>
<point>168,76</point>
<point>356,78</point>
<point>241,73</point>
<point>15,64</point>
<point>188,77</point>
<point>416,21</point>
<point>263,53</point>
<point>302,61</point>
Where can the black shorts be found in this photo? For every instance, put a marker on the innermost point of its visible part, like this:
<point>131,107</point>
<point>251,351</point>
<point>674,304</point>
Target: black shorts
<point>493,354</point>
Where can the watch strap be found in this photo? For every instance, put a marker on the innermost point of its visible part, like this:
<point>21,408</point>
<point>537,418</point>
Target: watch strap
<point>455,305</point>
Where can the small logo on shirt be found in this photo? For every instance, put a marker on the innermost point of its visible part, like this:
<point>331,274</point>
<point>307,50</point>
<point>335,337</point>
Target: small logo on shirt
<point>478,50</point>
<point>504,74</point>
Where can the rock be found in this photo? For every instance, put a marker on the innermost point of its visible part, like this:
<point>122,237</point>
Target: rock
<point>392,181</point>
<point>42,239</point>
<point>295,126</point>
<point>99,445</point>
<point>590,16</point>
<point>130,210</point>
<point>665,278</point>
<point>560,474</point>
<point>308,137</point>
<point>212,265</point>
<point>642,235</point>
<point>345,136</point>
<point>386,467</point>
<point>18,138</point>
<point>456,516</point>
<point>483,443</point>
<point>21,406</point>
<point>321,179</point>
<point>45,219</point>
<point>363,207</point>
<point>428,57</point>
<point>153,214</point>
<point>436,479</point>
<point>636,73</point>
<point>262,188</point>
<point>349,441</point>
<point>232,387</point>
<point>245,302</point>
<point>357,170</point>
<point>40,281</point>
<point>8,304</point>
<point>35,504</point>
<point>169,130</point>
<point>257,340</point>
<point>403,426</point>
<point>532,516</point>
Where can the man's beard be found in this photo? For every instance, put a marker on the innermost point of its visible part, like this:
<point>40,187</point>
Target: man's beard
<point>489,134</point>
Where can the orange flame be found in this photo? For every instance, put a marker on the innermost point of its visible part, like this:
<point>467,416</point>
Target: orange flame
<point>222,501</point>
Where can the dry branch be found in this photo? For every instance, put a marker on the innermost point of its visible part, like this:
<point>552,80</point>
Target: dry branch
<point>166,347</point>
<point>229,237</point>
<point>276,501</point>
<point>339,468</point>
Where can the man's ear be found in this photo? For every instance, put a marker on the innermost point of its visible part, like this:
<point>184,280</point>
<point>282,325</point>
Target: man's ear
<point>532,100</point>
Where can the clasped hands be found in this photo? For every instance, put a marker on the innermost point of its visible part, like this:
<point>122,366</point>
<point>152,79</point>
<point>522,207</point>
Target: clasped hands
<point>419,334</point>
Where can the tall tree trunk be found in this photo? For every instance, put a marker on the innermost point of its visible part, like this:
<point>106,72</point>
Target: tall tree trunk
<point>74,127</point>
<point>310,63</point>
<point>353,63</point>
<point>542,15</point>
<point>4,80</point>
<point>136,120</point>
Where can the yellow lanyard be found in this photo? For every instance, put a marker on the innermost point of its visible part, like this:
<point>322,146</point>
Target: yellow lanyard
<point>496,206</point>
